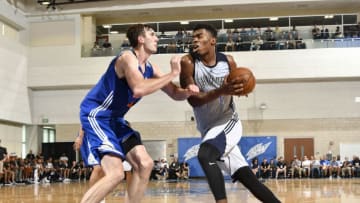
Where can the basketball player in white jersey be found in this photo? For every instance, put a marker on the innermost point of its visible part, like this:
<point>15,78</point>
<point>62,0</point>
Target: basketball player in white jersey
<point>216,116</point>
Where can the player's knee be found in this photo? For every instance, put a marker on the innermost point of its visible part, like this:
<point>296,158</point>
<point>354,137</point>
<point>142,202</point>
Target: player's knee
<point>116,176</point>
<point>147,164</point>
<point>208,153</point>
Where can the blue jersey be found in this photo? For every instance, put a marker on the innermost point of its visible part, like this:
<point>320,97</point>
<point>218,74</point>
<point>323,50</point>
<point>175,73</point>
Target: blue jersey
<point>102,115</point>
<point>111,96</point>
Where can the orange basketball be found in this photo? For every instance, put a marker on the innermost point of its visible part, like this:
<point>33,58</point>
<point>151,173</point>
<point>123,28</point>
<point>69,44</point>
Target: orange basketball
<point>247,78</point>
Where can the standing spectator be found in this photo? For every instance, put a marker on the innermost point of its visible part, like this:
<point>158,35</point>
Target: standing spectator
<point>315,32</point>
<point>3,156</point>
<point>337,33</point>
<point>229,44</point>
<point>30,156</point>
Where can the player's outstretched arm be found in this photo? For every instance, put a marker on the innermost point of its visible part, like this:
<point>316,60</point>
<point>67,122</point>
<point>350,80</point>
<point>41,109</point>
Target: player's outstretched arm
<point>127,66</point>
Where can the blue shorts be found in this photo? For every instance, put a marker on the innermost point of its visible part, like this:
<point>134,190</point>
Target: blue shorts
<point>103,137</point>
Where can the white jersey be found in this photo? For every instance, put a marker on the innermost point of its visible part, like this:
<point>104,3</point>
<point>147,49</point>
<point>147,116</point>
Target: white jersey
<point>220,110</point>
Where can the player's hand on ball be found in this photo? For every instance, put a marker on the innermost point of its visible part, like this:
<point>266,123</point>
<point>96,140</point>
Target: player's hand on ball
<point>232,87</point>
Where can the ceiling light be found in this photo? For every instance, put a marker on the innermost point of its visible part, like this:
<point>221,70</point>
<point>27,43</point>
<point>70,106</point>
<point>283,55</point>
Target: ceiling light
<point>107,26</point>
<point>184,22</point>
<point>114,32</point>
<point>329,16</point>
<point>274,19</point>
<point>44,2</point>
<point>228,20</point>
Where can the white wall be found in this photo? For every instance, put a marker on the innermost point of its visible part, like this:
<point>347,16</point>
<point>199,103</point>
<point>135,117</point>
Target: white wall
<point>14,104</point>
<point>59,66</point>
<point>284,100</point>
<point>10,137</point>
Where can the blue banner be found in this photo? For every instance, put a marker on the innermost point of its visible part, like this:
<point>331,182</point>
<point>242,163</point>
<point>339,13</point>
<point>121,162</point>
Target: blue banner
<point>251,147</point>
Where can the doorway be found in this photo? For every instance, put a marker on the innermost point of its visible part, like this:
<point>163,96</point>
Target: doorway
<point>299,147</point>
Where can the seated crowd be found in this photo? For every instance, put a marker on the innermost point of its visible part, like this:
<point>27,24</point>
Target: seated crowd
<point>308,168</point>
<point>175,171</point>
<point>37,169</point>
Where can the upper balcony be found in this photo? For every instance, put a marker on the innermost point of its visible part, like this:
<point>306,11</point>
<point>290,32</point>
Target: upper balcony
<point>282,33</point>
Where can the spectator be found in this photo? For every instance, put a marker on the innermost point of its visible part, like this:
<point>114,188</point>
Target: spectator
<point>184,171</point>
<point>280,167</point>
<point>277,33</point>
<point>324,166</point>
<point>267,33</point>
<point>255,166</point>
<point>125,43</point>
<point>346,168</point>
<point>171,47</point>
<point>256,43</point>
<point>106,44</point>
<point>337,33</point>
<point>334,167</point>
<point>315,32</point>
<point>296,167</point>
<point>75,170</point>
<point>174,169</point>
<point>30,156</point>
<point>96,45</point>
<point>305,165</point>
<point>252,31</point>
<point>324,33</point>
<point>265,168</point>
<point>315,166</point>
<point>230,44</point>
<point>3,157</point>
<point>273,167</point>
<point>356,166</point>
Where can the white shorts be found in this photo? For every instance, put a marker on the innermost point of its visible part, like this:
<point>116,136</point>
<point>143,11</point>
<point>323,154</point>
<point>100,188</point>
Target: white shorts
<point>226,138</point>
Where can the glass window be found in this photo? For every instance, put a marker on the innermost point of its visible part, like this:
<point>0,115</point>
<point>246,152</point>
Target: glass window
<point>49,134</point>
<point>350,19</point>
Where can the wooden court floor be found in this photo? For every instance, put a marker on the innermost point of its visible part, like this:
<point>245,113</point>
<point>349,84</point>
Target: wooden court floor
<point>193,191</point>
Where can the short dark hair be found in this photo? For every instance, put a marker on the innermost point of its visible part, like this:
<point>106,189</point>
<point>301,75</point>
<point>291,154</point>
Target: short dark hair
<point>207,27</point>
<point>134,32</point>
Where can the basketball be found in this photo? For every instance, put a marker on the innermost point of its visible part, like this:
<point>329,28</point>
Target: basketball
<point>247,78</point>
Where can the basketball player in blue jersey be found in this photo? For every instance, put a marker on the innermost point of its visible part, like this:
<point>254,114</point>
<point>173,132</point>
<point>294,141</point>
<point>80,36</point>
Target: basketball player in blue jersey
<point>216,116</point>
<point>129,77</point>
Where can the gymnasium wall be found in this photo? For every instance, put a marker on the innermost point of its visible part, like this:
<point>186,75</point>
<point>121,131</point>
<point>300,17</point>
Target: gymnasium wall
<point>10,136</point>
<point>15,101</point>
